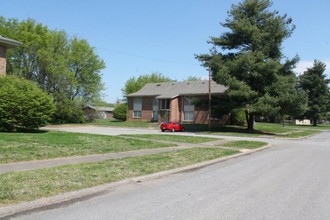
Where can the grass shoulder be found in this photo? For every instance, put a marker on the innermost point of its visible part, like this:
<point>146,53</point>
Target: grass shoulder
<point>267,130</point>
<point>16,147</point>
<point>174,138</point>
<point>246,144</point>
<point>30,185</point>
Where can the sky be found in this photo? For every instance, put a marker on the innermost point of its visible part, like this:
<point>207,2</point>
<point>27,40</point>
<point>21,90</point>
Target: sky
<point>136,37</point>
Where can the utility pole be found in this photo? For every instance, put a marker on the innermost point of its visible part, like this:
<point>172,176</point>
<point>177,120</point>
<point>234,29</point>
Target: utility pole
<point>209,113</point>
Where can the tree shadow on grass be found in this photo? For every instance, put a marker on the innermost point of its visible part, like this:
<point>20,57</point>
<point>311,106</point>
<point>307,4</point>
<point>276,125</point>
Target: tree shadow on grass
<point>224,129</point>
<point>25,130</point>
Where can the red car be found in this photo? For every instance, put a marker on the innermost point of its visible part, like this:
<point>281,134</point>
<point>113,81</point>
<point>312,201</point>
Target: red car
<point>171,126</point>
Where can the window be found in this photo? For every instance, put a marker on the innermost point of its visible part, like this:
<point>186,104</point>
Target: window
<point>188,100</point>
<point>155,116</point>
<point>155,103</point>
<point>155,108</point>
<point>188,108</point>
<point>165,104</point>
<point>188,116</point>
<point>137,107</point>
<point>137,103</point>
<point>136,114</point>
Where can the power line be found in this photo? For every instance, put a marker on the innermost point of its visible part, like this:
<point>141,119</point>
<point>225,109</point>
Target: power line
<point>146,58</point>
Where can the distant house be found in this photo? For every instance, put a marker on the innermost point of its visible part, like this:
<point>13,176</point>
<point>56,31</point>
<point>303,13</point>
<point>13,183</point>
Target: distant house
<point>101,112</point>
<point>5,43</point>
<point>303,122</point>
<point>172,101</point>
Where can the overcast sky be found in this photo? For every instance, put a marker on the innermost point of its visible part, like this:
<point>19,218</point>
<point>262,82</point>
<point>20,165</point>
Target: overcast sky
<point>137,37</point>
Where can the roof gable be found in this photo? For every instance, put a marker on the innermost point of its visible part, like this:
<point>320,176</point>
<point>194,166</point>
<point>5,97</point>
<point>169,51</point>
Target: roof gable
<point>168,90</point>
<point>8,42</point>
<point>100,108</point>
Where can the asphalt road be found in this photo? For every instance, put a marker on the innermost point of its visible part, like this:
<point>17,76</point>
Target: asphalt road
<point>291,180</point>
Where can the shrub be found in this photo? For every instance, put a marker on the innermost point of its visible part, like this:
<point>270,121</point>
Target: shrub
<point>68,111</point>
<point>23,104</point>
<point>120,112</point>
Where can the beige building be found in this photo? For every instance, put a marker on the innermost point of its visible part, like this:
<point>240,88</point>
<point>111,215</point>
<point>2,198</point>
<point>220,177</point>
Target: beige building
<point>5,43</point>
<point>92,112</point>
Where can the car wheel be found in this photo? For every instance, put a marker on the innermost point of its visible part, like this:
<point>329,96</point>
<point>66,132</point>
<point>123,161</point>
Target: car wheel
<point>163,130</point>
<point>173,129</point>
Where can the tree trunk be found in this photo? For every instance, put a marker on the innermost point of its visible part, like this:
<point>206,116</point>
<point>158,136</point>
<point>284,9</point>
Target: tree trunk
<point>314,121</point>
<point>250,121</point>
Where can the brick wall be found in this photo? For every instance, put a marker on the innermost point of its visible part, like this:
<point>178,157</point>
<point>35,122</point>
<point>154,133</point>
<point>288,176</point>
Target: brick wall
<point>2,61</point>
<point>146,114</point>
<point>147,108</point>
<point>201,114</point>
<point>175,110</point>
<point>130,102</point>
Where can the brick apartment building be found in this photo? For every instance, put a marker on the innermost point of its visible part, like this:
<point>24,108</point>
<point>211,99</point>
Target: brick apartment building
<point>5,43</point>
<point>172,101</point>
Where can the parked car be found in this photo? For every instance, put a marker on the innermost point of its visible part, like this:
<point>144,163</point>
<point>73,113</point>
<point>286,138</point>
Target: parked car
<point>171,126</point>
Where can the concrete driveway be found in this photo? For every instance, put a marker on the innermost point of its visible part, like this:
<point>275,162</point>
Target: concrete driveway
<point>103,130</point>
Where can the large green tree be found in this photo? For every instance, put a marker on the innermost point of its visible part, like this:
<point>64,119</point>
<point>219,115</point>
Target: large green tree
<point>134,84</point>
<point>247,58</point>
<point>316,85</point>
<point>66,68</point>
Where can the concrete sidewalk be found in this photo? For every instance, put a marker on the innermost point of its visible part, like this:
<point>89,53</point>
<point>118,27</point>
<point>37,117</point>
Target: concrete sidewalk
<point>39,164</point>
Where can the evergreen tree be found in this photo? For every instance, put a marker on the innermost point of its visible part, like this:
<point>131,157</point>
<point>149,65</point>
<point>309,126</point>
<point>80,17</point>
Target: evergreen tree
<point>316,85</point>
<point>249,60</point>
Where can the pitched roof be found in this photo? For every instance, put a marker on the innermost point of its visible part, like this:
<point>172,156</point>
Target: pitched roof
<point>168,90</point>
<point>8,42</point>
<point>100,108</point>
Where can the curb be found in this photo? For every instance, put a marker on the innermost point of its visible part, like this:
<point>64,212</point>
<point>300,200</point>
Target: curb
<point>11,210</point>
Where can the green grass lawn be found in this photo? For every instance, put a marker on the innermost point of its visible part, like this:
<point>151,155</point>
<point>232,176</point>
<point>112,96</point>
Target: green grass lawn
<point>274,128</point>
<point>300,134</point>
<point>245,144</point>
<point>289,131</point>
<point>266,129</point>
<point>260,129</point>
<point>279,128</point>
<point>16,147</point>
<point>16,187</point>
<point>174,138</point>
